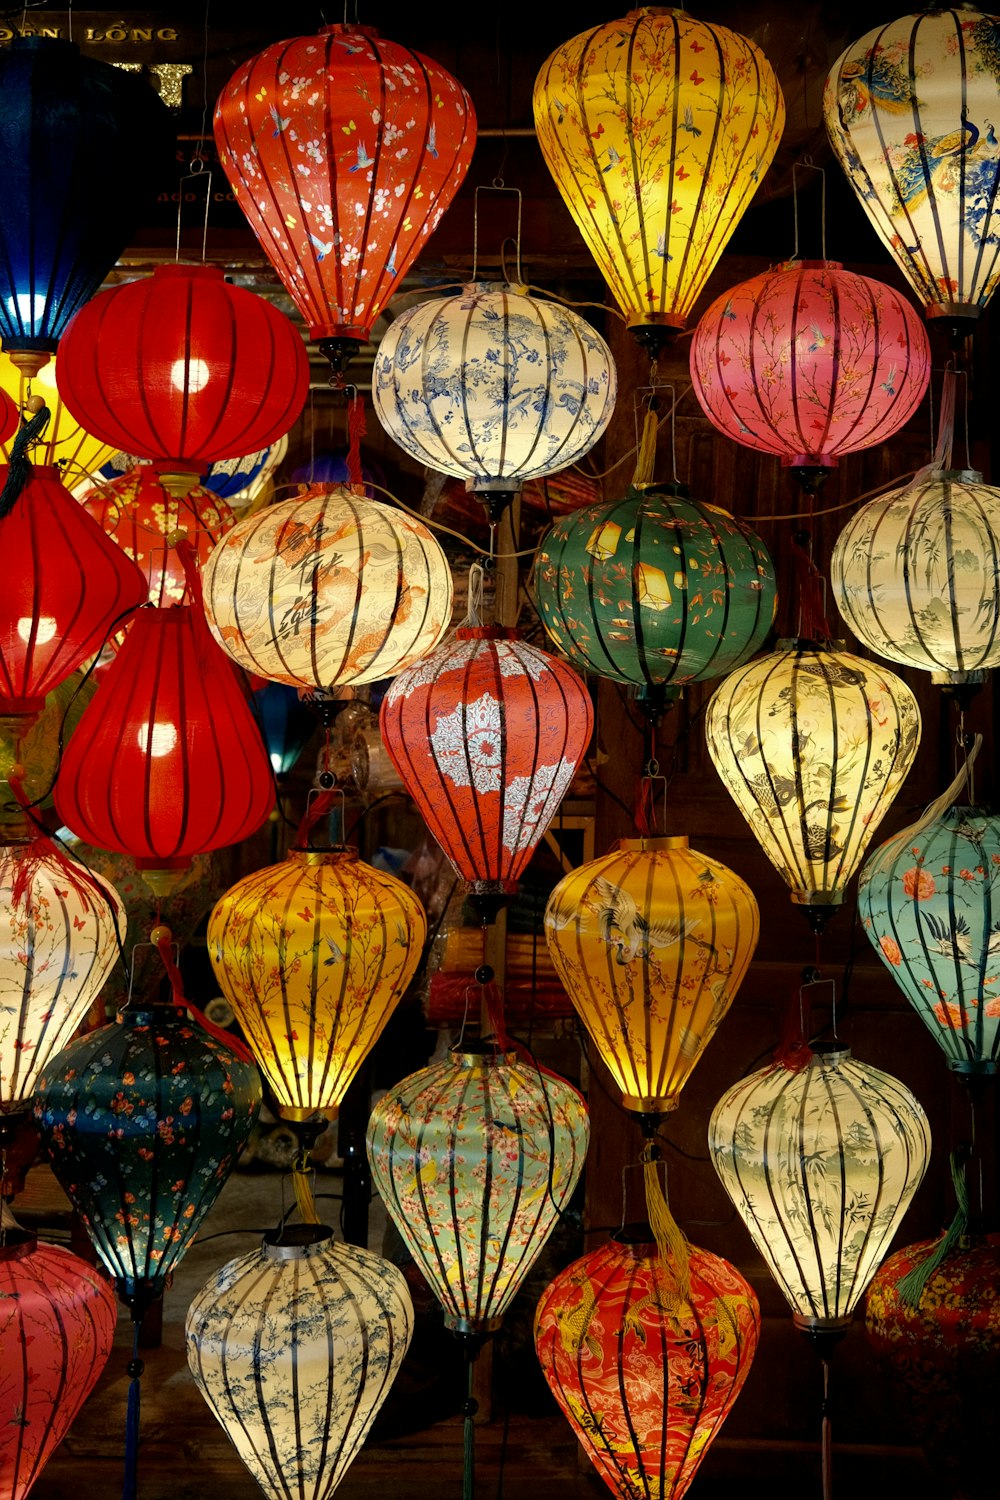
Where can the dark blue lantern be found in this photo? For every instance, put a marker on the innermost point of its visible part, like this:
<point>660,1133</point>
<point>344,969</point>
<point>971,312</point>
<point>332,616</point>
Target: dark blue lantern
<point>286,724</point>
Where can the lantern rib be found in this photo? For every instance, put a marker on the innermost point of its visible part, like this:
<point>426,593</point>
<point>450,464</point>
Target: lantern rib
<point>694,277</point>
<point>395,541</point>
<point>325,312</point>
<point>366,234</point>
<point>343,1457</point>
<point>636,183</point>
<point>594,1419</point>
<point>763,1238</point>
<point>862,1261</point>
<point>264,1342</point>
<point>445,1276</point>
<point>623,1398</point>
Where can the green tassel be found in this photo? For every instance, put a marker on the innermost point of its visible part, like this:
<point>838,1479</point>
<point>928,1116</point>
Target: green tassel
<point>911,1287</point>
<point>19,468</point>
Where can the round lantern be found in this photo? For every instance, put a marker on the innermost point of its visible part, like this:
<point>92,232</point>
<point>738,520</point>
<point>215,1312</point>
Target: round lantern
<point>328,590</point>
<point>57,1326</point>
<point>657,129</point>
<point>295,1347</point>
<point>810,362</point>
<point>914,574</point>
<point>313,955</point>
<point>182,368</point>
<point>655,589</point>
<point>813,745</point>
<point>143,1121</point>
<point>343,150</point>
<point>621,1364</point>
<point>475,1158</point>
<point>821,1165</point>
<point>494,386</point>
<point>487,733</point>
<point>909,111</point>
<point>64,441</point>
<point>651,943</point>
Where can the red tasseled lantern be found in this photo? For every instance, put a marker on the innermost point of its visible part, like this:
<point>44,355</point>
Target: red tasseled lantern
<point>183,368</point>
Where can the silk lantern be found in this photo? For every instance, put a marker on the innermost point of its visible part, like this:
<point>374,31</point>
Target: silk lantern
<point>646,1382</point>
<point>487,733</point>
<point>313,955</point>
<point>658,129</point>
<point>812,745</point>
<point>651,943</point>
<point>36,751</point>
<point>295,1347</point>
<point>821,1165</point>
<point>63,441</point>
<point>494,386</point>
<point>286,724</point>
<point>475,1158</point>
<point>343,151</point>
<point>57,1326</point>
<point>909,110</point>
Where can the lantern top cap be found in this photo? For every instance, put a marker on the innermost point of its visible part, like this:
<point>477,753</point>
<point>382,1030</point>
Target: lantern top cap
<point>347,28</point>
<point>296,1241</point>
<point>189,270</point>
<point>487,633</point>
<point>635,1236</point>
<point>485,1051</point>
<point>337,854</point>
<point>653,845</point>
<point>518,288</point>
<point>831,1054</point>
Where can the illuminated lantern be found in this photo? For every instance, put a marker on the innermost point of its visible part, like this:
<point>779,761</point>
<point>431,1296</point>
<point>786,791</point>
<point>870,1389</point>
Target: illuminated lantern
<point>821,1165</point>
<point>810,362</point>
<point>475,1158</point>
<point>658,129</point>
<point>813,745</point>
<point>328,590</point>
<point>329,1324</point>
<point>343,150</point>
<point>487,733</point>
<point>64,440</point>
<point>651,943</point>
<point>287,724</point>
<point>615,1345</point>
<point>313,955</point>
<point>494,386</point>
<point>37,750</point>
<point>57,1326</point>
<point>908,111</point>
<point>914,574</point>
<point>10,418</point>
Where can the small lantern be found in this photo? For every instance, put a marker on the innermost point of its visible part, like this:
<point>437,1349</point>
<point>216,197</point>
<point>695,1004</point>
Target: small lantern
<point>64,441</point>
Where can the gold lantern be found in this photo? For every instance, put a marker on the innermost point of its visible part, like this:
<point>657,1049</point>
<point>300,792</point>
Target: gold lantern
<point>64,441</point>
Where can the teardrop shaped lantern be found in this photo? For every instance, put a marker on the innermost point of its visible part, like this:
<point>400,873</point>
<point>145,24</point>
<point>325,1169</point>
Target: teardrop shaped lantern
<point>64,441</point>
<point>475,1157</point>
<point>344,150</point>
<point>658,129</point>
<point>616,1349</point>
<point>313,955</point>
<point>57,1326</point>
<point>651,943</point>
<point>328,590</point>
<point>810,362</point>
<point>494,386</point>
<point>908,110</point>
<point>813,745</point>
<point>821,1165</point>
<point>295,1347</point>
<point>487,733</point>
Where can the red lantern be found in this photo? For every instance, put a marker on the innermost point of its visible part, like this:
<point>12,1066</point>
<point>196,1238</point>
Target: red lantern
<point>181,367</point>
<point>486,733</point>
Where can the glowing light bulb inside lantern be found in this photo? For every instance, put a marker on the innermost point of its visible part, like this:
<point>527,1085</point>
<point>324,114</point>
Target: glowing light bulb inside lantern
<point>44,629</point>
<point>27,306</point>
<point>159,740</point>
<point>189,375</point>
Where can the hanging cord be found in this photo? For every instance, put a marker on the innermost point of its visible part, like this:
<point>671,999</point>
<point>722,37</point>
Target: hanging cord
<point>20,466</point>
<point>934,810</point>
<point>318,806</point>
<point>470,1407</point>
<point>162,940</point>
<point>134,1370</point>
<point>357,428</point>
<point>671,1243</point>
<point>813,623</point>
<point>942,458</point>
<point>911,1286</point>
<point>793,1052</point>
<point>473,618</point>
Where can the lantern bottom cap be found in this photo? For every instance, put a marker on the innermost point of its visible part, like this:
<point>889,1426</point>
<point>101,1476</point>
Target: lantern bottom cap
<point>967,311</point>
<point>299,1114</point>
<point>973,679</point>
<point>645,1105</point>
<point>974,1067</point>
<point>472,1327</point>
<point>810,1323</point>
<point>165,879</point>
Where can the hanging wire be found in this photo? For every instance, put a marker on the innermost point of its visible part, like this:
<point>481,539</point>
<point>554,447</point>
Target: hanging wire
<point>496,186</point>
<point>201,174</point>
<point>808,165</point>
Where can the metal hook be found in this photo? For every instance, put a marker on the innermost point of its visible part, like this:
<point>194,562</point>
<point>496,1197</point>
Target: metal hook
<point>810,166</point>
<point>647,396</point>
<point>198,172</point>
<point>495,187</point>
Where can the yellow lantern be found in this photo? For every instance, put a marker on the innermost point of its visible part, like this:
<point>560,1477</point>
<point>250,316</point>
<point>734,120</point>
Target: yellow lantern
<point>658,129</point>
<point>64,441</point>
<point>651,942</point>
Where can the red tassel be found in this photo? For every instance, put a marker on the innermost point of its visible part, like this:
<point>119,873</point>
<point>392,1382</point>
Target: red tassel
<point>357,427</point>
<point>815,626</point>
<point>44,846</point>
<point>314,813</point>
<point>164,939</point>
<point>793,1051</point>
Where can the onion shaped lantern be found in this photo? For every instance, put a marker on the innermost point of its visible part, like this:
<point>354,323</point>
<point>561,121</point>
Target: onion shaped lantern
<point>313,955</point>
<point>328,590</point>
<point>295,1347</point>
<point>651,943</point>
<point>487,733</point>
<point>494,386</point>
<point>343,151</point>
<point>909,110</point>
<point>63,441</point>
<point>658,129</point>
<point>475,1158</point>
<point>813,745</point>
<point>821,1165</point>
<point>646,1383</point>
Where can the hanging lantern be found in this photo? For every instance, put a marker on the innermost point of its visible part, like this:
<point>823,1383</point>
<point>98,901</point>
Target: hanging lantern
<point>286,723</point>
<point>313,955</point>
<point>908,111</point>
<point>821,1165</point>
<point>36,750</point>
<point>295,1347</point>
<point>487,733</point>
<point>475,1158</point>
<point>57,1326</point>
<point>64,441</point>
<point>84,145</point>
<point>645,1380</point>
<point>810,362</point>
<point>651,943</point>
<point>494,386</point>
<point>813,745</point>
<point>658,129</point>
<point>328,590</point>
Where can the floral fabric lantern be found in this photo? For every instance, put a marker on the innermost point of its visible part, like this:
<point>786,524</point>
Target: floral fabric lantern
<point>328,590</point>
<point>821,1165</point>
<point>658,129</point>
<point>64,441</point>
<point>475,1158</point>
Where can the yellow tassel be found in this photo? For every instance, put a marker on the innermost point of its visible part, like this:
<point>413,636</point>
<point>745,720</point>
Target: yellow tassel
<point>645,461</point>
<point>670,1240</point>
<point>302,1183</point>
